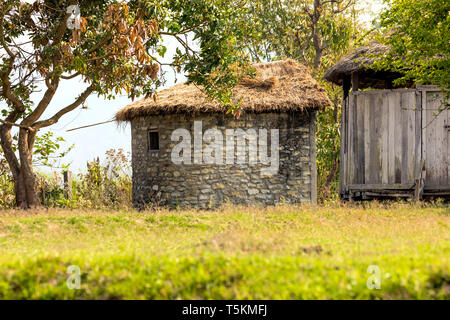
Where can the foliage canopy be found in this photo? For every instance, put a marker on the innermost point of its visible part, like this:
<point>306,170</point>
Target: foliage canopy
<point>114,47</point>
<point>418,33</point>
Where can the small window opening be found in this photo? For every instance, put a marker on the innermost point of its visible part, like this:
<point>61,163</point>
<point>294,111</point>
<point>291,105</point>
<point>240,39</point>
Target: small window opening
<point>153,141</point>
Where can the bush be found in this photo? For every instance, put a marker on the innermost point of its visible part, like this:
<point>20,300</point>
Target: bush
<point>6,186</point>
<point>105,185</point>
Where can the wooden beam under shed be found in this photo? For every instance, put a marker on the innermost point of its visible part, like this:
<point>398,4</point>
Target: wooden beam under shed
<point>346,85</point>
<point>355,81</point>
<point>388,84</point>
<point>382,186</point>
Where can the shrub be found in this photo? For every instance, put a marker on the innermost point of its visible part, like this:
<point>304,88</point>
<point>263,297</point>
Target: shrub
<point>105,185</point>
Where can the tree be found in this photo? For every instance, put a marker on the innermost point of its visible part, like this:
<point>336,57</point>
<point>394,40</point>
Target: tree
<point>303,30</point>
<point>418,34</point>
<point>114,47</point>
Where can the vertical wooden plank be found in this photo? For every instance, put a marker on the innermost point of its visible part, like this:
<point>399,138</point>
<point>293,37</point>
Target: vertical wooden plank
<point>431,142</point>
<point>345,132</point>
<point>411,136</point>
<point>424,133</point>
<point>398,136</point>
<point>440,162</point>
<point>404,138</point>
<point>378,129</point>
<point>347,150</point>
<point>436,141</point>
<point>407,153</point>
<point>391,144</point>
<point>360,155</point>
<point>374,160</point>
<point>351,141</point>
<point>355,139</point>
<point>418,135</point>
<point>342,160</point>
<point>384,112</point>
<point>448,148</point>
<point>367,131</point>
<point>370,138</point>
<point>441,143</point>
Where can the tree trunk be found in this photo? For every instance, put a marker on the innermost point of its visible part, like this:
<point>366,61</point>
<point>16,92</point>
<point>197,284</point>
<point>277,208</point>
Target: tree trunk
<point>22,171</point>
<point>20,193</point>
<point>26,167</point>
<point>317,40</point>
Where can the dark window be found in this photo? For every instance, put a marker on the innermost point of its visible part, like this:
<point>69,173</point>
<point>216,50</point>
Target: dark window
<point>153,140</point>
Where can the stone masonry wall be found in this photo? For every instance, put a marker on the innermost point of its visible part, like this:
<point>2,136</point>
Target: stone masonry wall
<point>158,180</point>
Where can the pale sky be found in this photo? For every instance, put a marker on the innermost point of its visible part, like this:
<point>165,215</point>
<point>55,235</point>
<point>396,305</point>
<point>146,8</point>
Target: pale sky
<point>95,141</point>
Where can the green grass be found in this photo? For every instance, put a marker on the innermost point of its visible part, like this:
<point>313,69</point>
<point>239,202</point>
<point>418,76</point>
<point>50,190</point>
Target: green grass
<point>285,252</point>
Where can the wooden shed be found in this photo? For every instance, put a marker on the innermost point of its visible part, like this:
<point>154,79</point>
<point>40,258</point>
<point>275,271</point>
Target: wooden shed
<point>395,142</point>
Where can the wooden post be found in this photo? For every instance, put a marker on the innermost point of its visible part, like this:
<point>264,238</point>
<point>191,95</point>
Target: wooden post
<point>346,85</point>
<point>388,83</point>
<point>355,81</point>
<point>344,136</point>
<point>68,184</point>
<point>419,182</point>
<point>43,199</point>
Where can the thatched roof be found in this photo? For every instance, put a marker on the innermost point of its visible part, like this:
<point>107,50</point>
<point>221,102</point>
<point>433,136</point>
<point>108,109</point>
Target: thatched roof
<point>278,86</point>
<point>359,61</point>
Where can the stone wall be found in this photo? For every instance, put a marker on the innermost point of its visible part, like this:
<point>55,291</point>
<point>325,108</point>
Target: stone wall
<point>157,179</point>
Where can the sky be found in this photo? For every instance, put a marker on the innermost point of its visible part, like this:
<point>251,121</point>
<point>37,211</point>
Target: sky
<point>93,142</point>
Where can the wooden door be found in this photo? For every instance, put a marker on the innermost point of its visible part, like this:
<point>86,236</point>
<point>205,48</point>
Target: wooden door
<point>383,138</point>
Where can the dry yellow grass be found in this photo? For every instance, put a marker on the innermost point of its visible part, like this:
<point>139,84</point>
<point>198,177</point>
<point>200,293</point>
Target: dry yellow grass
<point>279,86</point>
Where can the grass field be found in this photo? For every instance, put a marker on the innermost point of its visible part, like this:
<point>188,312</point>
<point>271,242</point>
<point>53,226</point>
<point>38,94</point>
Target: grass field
<point>285,252</point>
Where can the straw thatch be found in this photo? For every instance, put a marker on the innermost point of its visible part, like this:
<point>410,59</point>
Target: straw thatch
<point>359,61</point>
<point>278,86</point>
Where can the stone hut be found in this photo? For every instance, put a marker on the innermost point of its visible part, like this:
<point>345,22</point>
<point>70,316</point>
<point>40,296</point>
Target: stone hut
<point>186,151</point>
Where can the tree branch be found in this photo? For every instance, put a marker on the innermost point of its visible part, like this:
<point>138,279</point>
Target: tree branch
<point>71,76</point>
<point>6,89</point>
<point>60,113</point>
<point>10,156</point>
<point>62,28</point>
<point>43,104</point>
<point>16,125</point>
<point>344,8</point>
<point>2,34</point>
<point>185,45</point>
<point>97,46</point>
<point>180,32</point>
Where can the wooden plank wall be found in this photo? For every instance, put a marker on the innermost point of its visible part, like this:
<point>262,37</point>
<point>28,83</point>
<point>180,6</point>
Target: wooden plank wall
<point>437,145</point>
<point>382,140</point>
<point>343,151</point>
